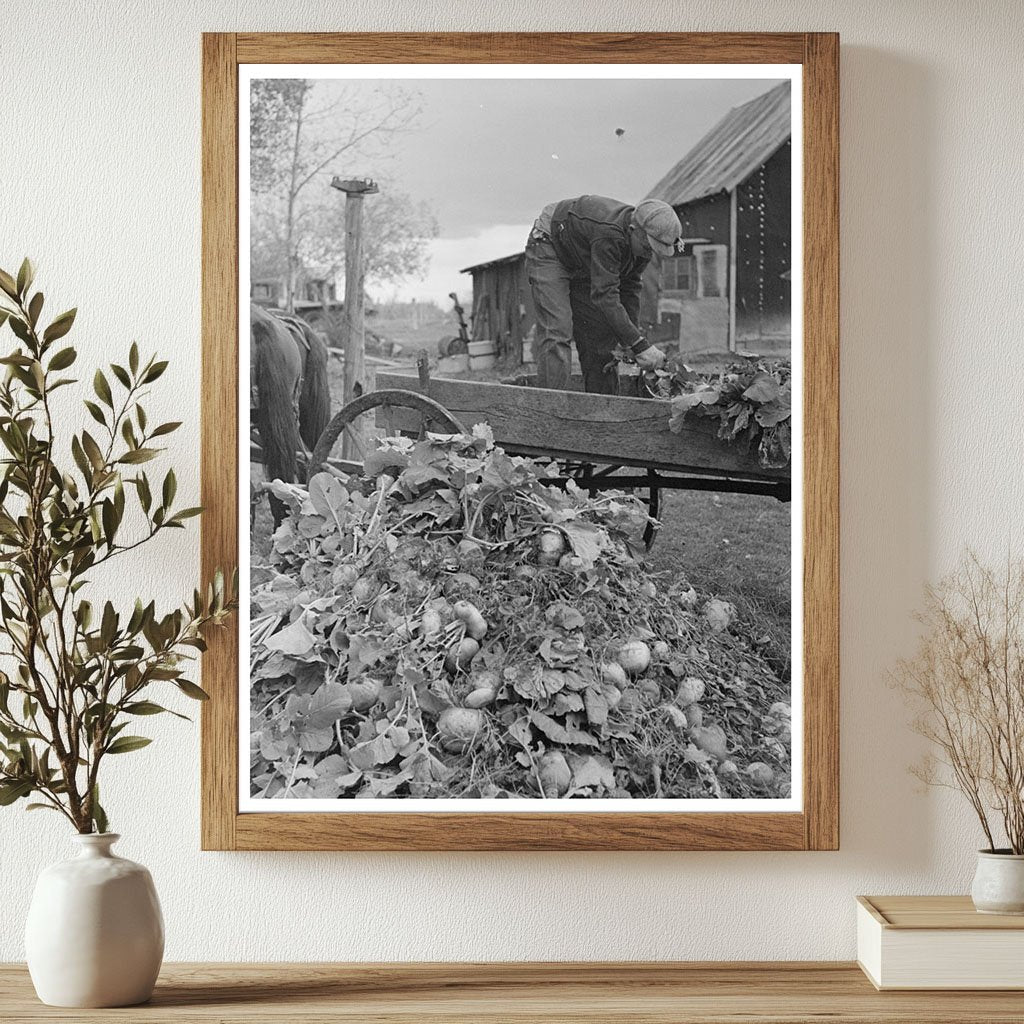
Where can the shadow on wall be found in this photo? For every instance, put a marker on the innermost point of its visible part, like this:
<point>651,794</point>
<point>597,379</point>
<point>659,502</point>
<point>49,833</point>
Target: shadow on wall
<point>888,317</point>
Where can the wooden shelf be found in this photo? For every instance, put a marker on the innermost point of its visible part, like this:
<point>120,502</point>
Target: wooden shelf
<point>639,993</point>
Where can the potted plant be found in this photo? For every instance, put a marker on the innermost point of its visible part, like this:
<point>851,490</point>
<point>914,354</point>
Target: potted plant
<point>967,681</point>
<point>81,672</point>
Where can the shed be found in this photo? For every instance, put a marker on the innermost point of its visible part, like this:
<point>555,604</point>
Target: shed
<point>502,304</point>
<point>730,288</point>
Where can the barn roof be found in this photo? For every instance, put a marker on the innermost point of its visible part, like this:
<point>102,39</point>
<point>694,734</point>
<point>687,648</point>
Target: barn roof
<point>729,153</point>
<point>493,263</point>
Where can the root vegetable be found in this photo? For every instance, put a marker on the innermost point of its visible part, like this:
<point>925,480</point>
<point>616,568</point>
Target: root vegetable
<point>711,739</point>
<point>365,693</point>
<point>345,576</point>
<point>695,715</point>
<point>759,774</point>
<point>480,697</point>
<point>470,553</point>
<point>555,774</point>
<point>648,590</point>
<point>612,672</point>
<point>572,563</point>
<point>363,590</point>
<point>550,547</point>
<point>676,717</point>
<point>430,622</point>
<point>690,691</point>
<point>382,610</point>
<point>461,583</point>
<point>728,770</point>
<point>476,624</point>
<point>460,656</point>
<point>719,615</point>
<point>629,703</point>
<point>612,694</point>
<point>460,729</point>
<point>634,656</point>
<point>650,691</point>
<point>777,722</point>
<point>660,649</point>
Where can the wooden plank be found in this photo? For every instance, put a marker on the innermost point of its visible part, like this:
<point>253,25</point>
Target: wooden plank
<point>605,429</point>
<point>522,993</point>
<point>821,440</point>
<point>520,47</point>
<point>733,214</point>
<point>219,429</point>
<point>579,830</point>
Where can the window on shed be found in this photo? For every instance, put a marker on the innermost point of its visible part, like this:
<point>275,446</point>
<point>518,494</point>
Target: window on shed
<point>677,274</point>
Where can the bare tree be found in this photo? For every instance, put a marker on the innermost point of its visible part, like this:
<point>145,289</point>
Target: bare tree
<point>967,681</point>
<point>395,230</point>
<point>300,132</point>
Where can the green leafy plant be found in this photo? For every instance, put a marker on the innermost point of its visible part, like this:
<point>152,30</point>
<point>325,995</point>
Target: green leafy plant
<point>752,400</point>
<point>452,623</point>
<point>80,673</point>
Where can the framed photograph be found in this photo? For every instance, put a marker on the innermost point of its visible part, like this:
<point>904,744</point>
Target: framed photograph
<point>520,420</point>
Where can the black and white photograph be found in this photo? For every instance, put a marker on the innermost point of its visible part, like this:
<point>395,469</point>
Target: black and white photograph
<point>523,523</point>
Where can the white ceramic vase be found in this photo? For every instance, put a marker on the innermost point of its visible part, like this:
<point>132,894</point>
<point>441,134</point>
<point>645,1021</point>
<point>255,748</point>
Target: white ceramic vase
<point>95,934</point>
<point>999,883</point>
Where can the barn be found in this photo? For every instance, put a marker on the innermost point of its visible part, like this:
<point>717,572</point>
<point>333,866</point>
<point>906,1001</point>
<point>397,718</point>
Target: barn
<point>730,288</point>
<point>502,305</point>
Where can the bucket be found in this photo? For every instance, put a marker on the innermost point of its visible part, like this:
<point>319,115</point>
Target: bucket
<point>483,362</point>
<point>482,348</point>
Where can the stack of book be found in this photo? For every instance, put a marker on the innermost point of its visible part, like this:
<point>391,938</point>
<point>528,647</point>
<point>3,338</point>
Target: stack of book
<point>938,942</point>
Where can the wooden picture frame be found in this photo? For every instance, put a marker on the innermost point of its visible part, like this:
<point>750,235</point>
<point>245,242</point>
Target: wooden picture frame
<point>816,826</point>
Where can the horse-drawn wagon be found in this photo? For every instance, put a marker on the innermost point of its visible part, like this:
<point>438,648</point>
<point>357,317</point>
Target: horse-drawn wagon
<point>600,441</point>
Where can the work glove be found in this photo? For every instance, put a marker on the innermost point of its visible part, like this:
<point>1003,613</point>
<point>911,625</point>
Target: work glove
<point>651,358</point>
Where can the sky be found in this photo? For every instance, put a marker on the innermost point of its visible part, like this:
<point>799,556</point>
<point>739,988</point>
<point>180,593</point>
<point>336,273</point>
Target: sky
<point>488,154</point>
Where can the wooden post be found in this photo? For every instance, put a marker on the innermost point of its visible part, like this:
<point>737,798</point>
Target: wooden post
<point>352,336</point>
<point>733,234</point>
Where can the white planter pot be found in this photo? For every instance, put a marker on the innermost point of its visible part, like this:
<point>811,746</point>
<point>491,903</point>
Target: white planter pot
<point>999,883</point>
<point>95,934</point>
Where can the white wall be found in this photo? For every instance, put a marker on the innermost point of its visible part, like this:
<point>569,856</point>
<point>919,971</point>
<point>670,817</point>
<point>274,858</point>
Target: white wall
<point>99,181</point>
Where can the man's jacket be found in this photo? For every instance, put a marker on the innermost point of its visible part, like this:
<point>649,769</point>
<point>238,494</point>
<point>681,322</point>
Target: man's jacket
<point>591,237</point>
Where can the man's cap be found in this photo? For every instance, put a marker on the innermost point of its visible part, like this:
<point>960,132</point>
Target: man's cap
<point>661,225</point>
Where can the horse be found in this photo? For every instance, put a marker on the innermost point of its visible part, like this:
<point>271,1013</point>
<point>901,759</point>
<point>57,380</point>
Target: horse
<point>290,402</point>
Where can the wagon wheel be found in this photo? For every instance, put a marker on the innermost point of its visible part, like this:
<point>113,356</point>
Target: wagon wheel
<point>431,416</point>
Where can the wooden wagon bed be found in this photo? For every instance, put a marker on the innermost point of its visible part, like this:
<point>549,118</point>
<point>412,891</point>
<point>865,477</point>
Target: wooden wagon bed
<point>612,432</point>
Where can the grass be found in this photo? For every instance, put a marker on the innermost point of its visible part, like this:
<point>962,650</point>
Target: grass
<point>737,547</point>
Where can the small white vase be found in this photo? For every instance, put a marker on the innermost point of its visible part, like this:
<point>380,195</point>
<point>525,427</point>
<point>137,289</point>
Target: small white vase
<point>95,934</point>
<point>999,883</point>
